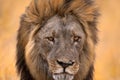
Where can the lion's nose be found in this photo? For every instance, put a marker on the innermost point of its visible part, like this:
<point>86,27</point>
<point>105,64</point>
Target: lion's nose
<point>65,64</point>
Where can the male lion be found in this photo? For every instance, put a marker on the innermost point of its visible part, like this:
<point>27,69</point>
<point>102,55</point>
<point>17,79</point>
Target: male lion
<point>56,40</point>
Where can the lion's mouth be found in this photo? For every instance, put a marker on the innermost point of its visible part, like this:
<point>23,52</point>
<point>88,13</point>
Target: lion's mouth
<point>63,76</point>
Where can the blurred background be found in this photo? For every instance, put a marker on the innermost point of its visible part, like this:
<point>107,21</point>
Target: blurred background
<point>107,64</point>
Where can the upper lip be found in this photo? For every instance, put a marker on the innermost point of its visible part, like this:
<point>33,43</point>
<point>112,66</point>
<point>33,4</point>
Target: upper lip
<point>62,73</point>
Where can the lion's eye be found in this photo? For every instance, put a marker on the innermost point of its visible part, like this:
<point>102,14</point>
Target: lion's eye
<point>77,38</point>
<point>51,39</point>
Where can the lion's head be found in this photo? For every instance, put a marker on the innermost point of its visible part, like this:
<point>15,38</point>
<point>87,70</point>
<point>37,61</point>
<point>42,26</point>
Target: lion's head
<point>56,40</point>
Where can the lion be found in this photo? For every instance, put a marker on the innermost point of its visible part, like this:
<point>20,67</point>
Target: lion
<point>56,40</point>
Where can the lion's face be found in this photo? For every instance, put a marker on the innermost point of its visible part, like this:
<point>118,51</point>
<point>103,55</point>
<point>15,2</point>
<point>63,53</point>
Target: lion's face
<point>56,40</point>
<point>59,42</point>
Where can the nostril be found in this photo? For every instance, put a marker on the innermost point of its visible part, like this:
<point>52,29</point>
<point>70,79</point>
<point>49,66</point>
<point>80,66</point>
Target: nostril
<point>65,64</point>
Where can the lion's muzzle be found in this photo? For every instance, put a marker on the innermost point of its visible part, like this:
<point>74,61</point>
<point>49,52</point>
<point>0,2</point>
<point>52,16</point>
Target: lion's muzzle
<point>63,69</point>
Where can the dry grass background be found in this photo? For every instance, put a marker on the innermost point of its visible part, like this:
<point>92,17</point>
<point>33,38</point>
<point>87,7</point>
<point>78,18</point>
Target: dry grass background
<point>107,65</point>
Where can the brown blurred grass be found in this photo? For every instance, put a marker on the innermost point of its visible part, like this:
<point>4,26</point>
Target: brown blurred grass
<point>107,65</point>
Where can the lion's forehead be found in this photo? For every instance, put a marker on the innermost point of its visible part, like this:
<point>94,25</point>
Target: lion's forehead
<point>59,25</point>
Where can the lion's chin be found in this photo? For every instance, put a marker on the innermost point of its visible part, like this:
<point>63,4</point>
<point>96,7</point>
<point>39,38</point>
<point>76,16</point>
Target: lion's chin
<point>63,77</point>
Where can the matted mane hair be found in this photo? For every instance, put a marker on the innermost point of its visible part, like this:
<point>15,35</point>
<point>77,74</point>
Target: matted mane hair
<point>39,11</point>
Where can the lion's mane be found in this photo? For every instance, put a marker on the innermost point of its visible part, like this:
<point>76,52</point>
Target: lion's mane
<point>39,11</point>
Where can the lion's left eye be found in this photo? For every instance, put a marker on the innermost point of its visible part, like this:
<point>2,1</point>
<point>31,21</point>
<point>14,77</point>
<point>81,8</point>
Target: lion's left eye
<point>51,39</point>
<point>77,38</point>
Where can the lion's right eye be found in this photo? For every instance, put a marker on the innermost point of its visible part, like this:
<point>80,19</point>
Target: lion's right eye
<point>51,39</point>
<point>77,38</point>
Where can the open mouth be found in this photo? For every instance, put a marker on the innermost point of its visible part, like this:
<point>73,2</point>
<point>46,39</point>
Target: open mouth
<point>63,76</point>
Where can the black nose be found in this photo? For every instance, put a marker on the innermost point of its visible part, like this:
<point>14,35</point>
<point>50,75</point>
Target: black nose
<point>65,64</point>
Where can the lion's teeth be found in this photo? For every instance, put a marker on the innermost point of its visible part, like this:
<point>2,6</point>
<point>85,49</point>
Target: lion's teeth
<point>54,76</point>
<point>63,77</point>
